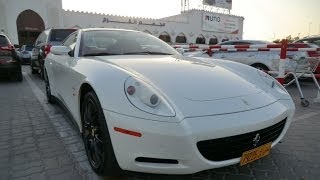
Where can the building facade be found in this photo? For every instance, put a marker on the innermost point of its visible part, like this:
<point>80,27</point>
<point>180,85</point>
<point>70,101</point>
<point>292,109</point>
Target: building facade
<point>23,20</point>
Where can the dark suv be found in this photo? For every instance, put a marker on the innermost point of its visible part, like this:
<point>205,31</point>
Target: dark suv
<point>49,37</point>
<point>10,64</point>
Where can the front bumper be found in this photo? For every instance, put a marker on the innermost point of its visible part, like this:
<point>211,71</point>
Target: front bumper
<point>178,141</point>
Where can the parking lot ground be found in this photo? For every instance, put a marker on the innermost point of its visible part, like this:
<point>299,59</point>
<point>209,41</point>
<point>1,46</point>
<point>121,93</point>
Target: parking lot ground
<point>39,141</point>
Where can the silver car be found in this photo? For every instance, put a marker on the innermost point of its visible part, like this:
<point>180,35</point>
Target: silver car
<point>26,53</point>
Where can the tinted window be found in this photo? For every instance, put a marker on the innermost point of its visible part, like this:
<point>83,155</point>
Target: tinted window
<point>3,41</point>
<point>121,43</point>
<point>226,43</point>
<point>58,35</point>
<point>29,48</point>
<point>241,43</point>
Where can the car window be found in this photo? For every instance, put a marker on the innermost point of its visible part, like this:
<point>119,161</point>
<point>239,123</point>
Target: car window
<point>3,41</point>
<point>122,43</point>
<point>241,43</point>
<point>71,41</point>
<point>317,42</point>
<point>39,39</point>
<point>58,35</point>
<point>28,48</point>
<point>226,43</point>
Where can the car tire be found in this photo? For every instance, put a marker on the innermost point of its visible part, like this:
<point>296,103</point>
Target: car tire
<point>96,137</point>
<point>50,98</point>
<point>33,71</point>
<point>42,74</point>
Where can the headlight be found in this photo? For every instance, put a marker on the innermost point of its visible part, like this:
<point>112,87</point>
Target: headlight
<point>271,82</point>
<point>144,97</point>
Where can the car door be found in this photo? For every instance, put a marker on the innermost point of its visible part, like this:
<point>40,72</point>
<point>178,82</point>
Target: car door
<point>66,77</point>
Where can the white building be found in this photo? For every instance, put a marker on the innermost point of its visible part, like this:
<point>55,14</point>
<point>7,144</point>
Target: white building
<point>23,20</point>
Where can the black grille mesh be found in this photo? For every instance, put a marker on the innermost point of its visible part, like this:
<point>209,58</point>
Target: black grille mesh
<point>232,147</point>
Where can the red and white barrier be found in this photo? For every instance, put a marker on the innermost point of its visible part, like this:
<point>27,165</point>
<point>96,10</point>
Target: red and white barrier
<point>283,56</point>
<point>281,47</point>
<point>246,48</point>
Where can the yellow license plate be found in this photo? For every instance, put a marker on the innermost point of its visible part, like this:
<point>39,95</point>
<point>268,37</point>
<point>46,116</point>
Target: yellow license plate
<point>254,154</point>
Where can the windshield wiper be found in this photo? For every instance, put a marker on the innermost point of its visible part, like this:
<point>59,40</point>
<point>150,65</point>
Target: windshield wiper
<point>147,52</point>
<point>100,54</point>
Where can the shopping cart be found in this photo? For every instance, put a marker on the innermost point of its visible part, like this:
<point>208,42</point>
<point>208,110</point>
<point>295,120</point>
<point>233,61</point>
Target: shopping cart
<point>296,68</point>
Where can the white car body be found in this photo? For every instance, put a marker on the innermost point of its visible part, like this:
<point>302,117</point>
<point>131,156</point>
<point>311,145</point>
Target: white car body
<point>209,100</point>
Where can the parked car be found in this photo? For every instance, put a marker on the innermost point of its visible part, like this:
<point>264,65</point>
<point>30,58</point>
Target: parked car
<point>263,60</point>
<point>310,39</point>
<point>10,65</point>
<point>25,53</point>
<point>149,109</point>
<point>45,40</point>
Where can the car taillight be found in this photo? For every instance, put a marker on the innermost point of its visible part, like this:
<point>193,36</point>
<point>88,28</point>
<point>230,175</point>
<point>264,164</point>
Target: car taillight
<point>47,49</point>
<point>7,48</point>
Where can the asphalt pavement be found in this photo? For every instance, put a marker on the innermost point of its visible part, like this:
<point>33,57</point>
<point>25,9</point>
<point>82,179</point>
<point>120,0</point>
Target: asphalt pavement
<point>39,141</point>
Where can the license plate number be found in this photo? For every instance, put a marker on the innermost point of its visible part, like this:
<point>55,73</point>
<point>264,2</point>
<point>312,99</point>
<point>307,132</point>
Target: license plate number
<point>254,154</point>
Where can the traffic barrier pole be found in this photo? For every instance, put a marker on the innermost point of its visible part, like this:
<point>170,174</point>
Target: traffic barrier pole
<point>283,55</point>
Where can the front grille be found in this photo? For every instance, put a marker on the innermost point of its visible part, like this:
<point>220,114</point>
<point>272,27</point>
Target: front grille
<point>232,147</point>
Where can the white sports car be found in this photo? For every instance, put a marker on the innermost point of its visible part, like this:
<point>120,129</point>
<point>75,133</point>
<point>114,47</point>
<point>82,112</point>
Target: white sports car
<point>143,107</point>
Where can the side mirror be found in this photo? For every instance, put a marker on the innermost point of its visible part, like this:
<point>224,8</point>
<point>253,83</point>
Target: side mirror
<point>59,50</point>
<point>180,50</point>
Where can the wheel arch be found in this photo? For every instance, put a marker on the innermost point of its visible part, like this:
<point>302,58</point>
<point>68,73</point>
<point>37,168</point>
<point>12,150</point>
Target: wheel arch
<point>84,88</point>
<point>260,64</point>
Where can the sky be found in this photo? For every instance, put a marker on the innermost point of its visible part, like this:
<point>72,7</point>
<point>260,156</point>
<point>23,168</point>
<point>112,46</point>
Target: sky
<point>264,19</point>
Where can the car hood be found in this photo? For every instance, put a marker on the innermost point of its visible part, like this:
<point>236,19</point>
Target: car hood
<point>194,87</point>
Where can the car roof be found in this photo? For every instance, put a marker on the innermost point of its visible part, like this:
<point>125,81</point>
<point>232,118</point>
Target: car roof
<point>313,36</point>
<point>308,38</point>
<point>246,41</point>
<point>108,29</point>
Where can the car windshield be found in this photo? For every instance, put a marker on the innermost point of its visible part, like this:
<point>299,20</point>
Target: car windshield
<point>116,42</point>
<point>29,48</point>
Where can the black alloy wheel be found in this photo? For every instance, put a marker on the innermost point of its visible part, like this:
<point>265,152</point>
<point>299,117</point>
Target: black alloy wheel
<point>50,98</point>
<point>42,74</point>
<point>96,137</point>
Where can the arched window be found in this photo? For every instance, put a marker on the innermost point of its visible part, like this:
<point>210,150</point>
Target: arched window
<point>200,39</point>
<point>165,37</point>
<point>181,38</point>
<point>29,26</point>
<point>213,40</point>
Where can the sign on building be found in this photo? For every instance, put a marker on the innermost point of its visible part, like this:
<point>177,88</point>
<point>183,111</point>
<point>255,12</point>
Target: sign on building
<point>227,4</point>
<point>220,23</point>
